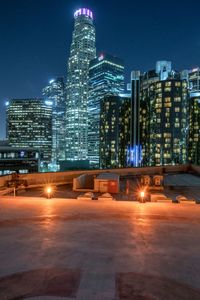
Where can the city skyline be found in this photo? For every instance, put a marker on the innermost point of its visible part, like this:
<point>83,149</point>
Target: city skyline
<point>28,61</point>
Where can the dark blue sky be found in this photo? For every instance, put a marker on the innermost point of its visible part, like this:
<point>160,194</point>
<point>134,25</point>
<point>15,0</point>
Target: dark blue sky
<point>35,37</point>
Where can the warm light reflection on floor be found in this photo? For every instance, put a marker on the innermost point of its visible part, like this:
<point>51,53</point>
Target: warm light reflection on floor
<point>48,213</point>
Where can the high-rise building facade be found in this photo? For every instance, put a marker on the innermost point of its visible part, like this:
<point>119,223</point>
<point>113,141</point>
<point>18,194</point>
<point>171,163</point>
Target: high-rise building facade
<point>164,123</point>
<point>55,92</point>
<point>82,51</point>
<point>194,117</point>
<point>159,104</point>
<point>106,77</point>
<point>139,86</point>
<point>194,129</point>
<point>115,116</point>
<point>194,80</point>
<point>147,79</point>
<point>163,115</point>
<point>163,69</point>
<point>29,124</point>
<point>135,150</point>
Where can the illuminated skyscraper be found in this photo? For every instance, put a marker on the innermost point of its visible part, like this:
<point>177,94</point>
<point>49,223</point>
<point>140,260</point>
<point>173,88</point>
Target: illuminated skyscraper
<point>164,123</point>
<point>140,84</point>
<point>29,124</point>
<point>106,77</point>
<point>135,146</point>
<point>194,117</point>
<point>151,127</point>
<point>159,117</point>
<point>55,92</point>
<point>81,53</point>
<point>148,78</point>
<point>115,123</point>
<point>194,129</point>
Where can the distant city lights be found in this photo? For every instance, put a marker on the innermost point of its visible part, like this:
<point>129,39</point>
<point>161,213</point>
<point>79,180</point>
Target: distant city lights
<point>47,102</point>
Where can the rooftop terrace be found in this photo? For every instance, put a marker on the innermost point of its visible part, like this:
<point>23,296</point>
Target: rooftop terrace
<point>99,250</point>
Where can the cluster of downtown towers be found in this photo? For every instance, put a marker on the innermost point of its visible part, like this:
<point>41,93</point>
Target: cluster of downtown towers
<point>91,122</point>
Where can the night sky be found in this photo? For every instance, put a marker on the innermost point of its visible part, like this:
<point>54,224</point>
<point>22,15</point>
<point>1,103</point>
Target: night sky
<point>35,37</point>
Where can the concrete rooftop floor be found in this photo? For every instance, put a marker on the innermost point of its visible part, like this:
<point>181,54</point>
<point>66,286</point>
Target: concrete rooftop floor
<point>89,250</point>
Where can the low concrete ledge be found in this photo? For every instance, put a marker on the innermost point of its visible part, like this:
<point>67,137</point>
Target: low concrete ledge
<point>167,200</point>
<point>86,196</point>
<point>83,198</point>
<point>106,197</point>
<point>160,198</point>
<point>181,198</point>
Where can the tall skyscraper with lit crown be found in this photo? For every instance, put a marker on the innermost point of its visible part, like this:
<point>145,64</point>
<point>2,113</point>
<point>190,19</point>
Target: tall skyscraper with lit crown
<point>82,51</point>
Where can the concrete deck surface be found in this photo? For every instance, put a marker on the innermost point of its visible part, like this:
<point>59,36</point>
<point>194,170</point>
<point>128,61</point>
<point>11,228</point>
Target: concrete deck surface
<point>89,250</point>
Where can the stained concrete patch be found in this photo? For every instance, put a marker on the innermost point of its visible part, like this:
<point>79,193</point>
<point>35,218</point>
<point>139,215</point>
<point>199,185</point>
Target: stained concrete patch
<point>41,282</point>
<point>133,286</point>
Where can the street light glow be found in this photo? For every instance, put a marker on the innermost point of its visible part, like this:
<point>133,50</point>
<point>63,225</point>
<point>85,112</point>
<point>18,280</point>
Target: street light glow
<point>49,190</point>
<point>142,194</point>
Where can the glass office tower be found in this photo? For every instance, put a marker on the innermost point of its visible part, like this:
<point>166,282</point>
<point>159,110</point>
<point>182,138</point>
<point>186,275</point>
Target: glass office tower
<point>55,92</point>
<point>106,77</point>
<point>82,51</point>
<point>135,150</point>
<point>29,124</point>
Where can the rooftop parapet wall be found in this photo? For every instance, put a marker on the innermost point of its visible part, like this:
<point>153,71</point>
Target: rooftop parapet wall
<point>4,179</point>
<point>195,169</point>
<point>67,177</point>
